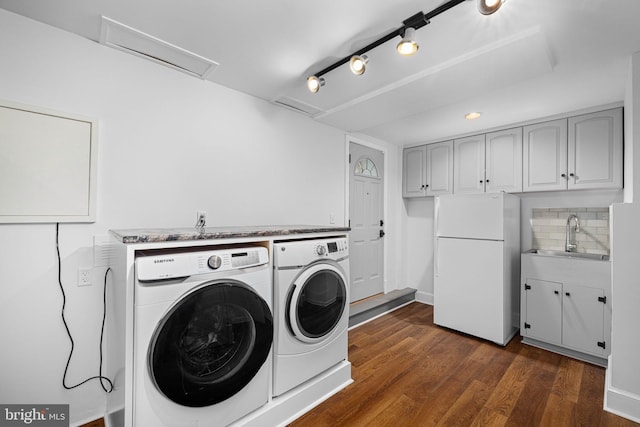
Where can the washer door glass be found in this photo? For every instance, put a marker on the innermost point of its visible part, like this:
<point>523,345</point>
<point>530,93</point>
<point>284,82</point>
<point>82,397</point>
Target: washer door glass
<point>211,344</point>
<point>317,302</point>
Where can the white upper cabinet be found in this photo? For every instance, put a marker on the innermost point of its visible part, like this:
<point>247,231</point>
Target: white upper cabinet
<point>439,168</point>
<point>414,171</point>
<point>581,152</point>
<point>545,156</point>
<point>427,170</point>
<point>488,163</point>
<point>503,161</point>
<point>595,150</point>
<point>468,165</point>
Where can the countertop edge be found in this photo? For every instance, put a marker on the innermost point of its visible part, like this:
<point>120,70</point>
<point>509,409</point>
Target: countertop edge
<point>186,234</point>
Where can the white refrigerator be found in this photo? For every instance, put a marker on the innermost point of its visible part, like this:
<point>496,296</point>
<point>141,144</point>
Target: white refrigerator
<point>477,264</point>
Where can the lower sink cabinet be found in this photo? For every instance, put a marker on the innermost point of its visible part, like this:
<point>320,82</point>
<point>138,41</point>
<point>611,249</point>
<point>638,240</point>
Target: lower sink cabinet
<point>567,317</point>
<point>583,311</point>
<point>542,311</point>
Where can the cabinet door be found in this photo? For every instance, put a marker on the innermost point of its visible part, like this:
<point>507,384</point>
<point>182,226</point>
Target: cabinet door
<point>468,169</point>
<point>414,169</point>
<point>583,319</point>
<point>544,163</point>
<point>542,306</point>
<point>503,161</point>
<point>439,168</point>
<point>595,150</point>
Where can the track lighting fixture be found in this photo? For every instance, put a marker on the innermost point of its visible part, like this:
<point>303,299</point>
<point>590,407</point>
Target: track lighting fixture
<point>314,83</point>
<point>358,64</point>
<point>407,46</point>
<point>487,7</point>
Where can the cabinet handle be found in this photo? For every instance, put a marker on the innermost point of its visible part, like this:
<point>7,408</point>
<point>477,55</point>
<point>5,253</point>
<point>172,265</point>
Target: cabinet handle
<point>481,181</point>
<point>487,181</point>
<point>571,175</point>
<point>426,186</point>
<point>564,175</point>
<point>567,294</point>
<point>556,292</point>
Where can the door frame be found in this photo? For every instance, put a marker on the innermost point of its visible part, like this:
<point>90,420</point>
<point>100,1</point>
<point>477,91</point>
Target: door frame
<point>385,201</point>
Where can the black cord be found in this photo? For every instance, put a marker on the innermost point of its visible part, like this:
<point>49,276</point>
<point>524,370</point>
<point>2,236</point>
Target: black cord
<point>64,321</point>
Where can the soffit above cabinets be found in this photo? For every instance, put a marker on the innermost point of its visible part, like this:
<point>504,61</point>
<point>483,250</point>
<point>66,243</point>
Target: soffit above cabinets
<point>529,59</point>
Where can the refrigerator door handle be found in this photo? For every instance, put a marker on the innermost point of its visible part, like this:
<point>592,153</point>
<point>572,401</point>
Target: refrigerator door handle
<point>435,236</point>
<point>436,263</point>
<point>435,216</point>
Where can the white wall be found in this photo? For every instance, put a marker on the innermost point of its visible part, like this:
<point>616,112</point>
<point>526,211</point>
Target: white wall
<point>417,251</point>
<point>169,144</point>
<point>623,375</point>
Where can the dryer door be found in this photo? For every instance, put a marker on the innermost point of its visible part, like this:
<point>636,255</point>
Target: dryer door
<point>210,344</point>
<point>317,302</point>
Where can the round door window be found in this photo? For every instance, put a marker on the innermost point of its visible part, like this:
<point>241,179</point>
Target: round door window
<point>316,305</point>
<point>211,344</point>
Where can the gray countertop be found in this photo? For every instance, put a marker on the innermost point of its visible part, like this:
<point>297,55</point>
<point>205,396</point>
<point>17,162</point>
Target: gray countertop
<point>211,233</point>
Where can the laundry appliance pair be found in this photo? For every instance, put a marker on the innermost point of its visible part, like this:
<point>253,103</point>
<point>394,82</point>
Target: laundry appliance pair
<point>213,333</point>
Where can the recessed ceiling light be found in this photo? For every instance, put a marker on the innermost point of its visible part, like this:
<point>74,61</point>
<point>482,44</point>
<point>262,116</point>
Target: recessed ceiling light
<point>473,115</point>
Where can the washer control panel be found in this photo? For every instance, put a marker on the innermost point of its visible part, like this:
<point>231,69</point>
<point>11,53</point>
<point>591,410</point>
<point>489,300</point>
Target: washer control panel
<point>329,247</point>
<point>303,252</point>
<point>167,266</point>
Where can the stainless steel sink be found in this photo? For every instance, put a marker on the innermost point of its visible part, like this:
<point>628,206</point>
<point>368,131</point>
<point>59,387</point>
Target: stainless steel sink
<point>545,252</point>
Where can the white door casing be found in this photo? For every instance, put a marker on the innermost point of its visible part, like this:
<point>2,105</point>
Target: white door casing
<point>366,241</point>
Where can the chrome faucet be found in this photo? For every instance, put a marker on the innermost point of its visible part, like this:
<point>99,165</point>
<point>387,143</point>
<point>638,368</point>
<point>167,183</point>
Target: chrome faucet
<point>570,243</point>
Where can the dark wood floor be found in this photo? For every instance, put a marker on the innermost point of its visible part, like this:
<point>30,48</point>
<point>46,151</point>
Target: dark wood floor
<point>409,372</point>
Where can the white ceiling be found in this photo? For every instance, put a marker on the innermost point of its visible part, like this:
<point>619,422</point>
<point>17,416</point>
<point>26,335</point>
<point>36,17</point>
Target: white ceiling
<point>531,59</point>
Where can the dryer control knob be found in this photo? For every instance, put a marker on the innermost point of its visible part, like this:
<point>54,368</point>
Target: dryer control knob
<point>214,262</point>
<point>321,250</point>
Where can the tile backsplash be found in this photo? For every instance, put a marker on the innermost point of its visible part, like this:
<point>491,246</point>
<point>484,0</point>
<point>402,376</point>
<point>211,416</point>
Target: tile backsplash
<point>548,226</point>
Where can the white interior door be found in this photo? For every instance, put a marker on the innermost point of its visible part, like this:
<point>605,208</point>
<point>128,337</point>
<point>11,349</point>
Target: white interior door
<point>366,240</point>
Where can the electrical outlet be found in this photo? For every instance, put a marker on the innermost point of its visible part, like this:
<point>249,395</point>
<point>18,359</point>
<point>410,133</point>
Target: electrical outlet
<point>84,276</point>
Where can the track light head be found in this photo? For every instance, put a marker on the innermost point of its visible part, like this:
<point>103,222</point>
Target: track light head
<point>408,45</point>
<point>314,83</point>
<point>487,7</point>
<point>358,64</point>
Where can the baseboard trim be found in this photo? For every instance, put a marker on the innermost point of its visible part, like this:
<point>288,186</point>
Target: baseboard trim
<point>424,297</point>
<point>620,402</point>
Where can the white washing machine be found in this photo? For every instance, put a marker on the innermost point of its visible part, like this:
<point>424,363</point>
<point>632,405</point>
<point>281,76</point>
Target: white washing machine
<point>203,334</point>
<point>311,309</point>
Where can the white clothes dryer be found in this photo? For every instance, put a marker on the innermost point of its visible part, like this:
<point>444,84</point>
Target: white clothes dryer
<point>311,309</point>
<point>203,334</point>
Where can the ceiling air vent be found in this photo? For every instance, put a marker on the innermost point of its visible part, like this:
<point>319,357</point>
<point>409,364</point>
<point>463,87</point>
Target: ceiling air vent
<point>299,106</point>
<point>127,39</point>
